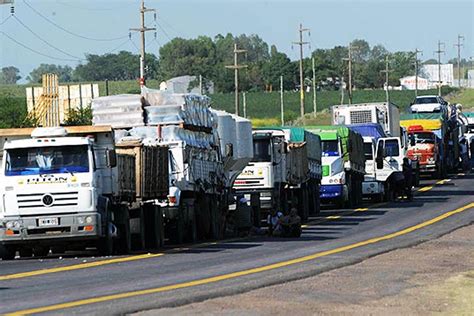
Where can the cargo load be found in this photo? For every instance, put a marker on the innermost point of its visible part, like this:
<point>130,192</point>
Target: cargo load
<point>118,111</point>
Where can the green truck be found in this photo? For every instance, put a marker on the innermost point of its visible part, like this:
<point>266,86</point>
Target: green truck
<point>343,165</point>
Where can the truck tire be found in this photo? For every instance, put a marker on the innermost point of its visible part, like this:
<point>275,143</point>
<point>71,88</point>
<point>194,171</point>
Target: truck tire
<point>124,240</point>
<point>137,228</point>
<point>25,252</point>
<point>7,252</point>
<point>153,226</point>
<point>215,218</point>
<point>41,251</point>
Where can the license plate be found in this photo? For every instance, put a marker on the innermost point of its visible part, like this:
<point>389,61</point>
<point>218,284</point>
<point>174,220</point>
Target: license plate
<point>53,221</point>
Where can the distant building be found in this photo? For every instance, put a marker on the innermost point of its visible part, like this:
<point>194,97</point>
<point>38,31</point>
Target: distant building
<point>430,72</point>
<point>187,84</point>
<point>409,83</point>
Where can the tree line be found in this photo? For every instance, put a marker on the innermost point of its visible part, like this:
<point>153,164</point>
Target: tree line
<point>208,57</point>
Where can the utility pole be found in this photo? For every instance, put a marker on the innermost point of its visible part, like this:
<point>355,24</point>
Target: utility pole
<point>142,30</point>
<point>200,84</point>
<point>281,102</point>
<point>245,104</point>
<point>439,52</point>
<point>301,43</point>
<point>349,60</point>
<point>387,71</point>
<point>236,68</point>
<point>342,86</point>
<point>416,70</point>
<point>315,108</point>
<point>459,45</point>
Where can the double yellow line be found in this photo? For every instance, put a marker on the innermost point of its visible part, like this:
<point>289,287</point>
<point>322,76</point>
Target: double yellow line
<point>106,298</point>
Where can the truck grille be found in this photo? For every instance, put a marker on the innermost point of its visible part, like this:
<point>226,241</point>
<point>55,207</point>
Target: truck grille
<point>359,117</point>
<point>57,199</point>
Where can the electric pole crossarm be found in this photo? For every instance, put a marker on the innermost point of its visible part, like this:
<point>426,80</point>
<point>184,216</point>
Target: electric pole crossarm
<point>143,29</point>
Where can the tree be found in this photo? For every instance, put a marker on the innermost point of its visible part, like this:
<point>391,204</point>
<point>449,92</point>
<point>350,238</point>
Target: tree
<point>121,66</point>
<point>10,75</point>
<point>64,73</point>
<point>13,113</point>
<point>278,65</point>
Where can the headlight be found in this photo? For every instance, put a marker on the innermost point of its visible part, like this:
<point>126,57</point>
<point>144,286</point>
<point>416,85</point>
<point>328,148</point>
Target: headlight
<point>88,219</point>
<point>13,224</point>
<point>80,220</point>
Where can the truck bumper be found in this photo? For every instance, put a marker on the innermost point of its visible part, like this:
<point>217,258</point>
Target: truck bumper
<point>334,191</point>
<point>266,197</point>
<point>372,187</point>
<point>47,229</point>
<point>428,168</point>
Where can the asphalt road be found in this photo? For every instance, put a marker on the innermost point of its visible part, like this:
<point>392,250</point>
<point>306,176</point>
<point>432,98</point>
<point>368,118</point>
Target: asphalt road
<point>86,285</point>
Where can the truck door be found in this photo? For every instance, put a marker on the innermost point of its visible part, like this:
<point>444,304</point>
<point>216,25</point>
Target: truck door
<point>389,157</point>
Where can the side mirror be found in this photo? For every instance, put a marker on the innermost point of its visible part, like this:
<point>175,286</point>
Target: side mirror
<point>229,150</point>
<point>379,162</point>
<point>111,158</point>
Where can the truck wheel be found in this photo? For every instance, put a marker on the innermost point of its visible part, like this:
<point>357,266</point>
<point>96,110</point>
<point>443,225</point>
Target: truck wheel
<point>7,252</point>
<point>124,242</point>
<point>41,251</point>
<point>25,252</point>
<point>215,218</point>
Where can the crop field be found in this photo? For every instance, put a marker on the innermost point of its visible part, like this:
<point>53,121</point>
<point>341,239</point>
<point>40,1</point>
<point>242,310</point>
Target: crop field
<point>262,107</point>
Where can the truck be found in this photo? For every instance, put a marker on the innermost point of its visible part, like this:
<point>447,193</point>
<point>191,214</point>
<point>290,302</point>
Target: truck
<point>343,165</point>
<point>285,170</point>
<point>65,188</point>
<point>449,127</point>
<point>425,146</point>
<point>371,133</point>
<point>388,116</point>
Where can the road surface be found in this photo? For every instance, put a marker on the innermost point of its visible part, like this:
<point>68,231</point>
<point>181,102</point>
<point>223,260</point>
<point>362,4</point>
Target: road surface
<point>86,285</point>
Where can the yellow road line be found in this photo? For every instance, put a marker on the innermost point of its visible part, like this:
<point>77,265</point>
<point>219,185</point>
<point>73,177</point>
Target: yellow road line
<point>424,189</point>
<point>78,266</point>
<point>333,217</point>
<point>240,273</point>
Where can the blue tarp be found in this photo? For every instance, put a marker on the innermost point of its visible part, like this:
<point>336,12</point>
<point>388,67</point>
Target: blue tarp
<point>368,130</point>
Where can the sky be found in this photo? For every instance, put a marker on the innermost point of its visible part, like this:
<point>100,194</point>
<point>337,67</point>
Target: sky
<point>402,25</point>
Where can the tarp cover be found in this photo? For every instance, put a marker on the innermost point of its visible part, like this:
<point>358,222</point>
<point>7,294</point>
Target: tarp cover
<point>368,130</point>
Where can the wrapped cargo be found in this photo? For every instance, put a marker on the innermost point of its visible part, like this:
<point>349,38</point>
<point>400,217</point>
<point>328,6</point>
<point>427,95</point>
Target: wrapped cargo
<point>118,111</point>
<point>172,108</point>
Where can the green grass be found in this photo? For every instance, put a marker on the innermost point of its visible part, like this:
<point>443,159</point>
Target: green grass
<point>264,107</point>
<point>465,97</point>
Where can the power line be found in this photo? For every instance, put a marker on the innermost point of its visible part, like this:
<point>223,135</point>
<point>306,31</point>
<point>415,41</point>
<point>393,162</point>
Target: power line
<point>3,22</point>
<point>164,32</point>
<point>69,32</point>
<point>91,8</point>
<point>35,51</point>
<point>45,41</point>
<point>170,26</point>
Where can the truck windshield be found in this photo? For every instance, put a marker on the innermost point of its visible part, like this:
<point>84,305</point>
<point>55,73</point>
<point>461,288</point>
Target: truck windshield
<point>426,100</point>
<point>424,138</point>
<point>330,148</point>
<point>391,148</point>
<point>368,151</point>
<point>262,151</point>
<point>39,160</point>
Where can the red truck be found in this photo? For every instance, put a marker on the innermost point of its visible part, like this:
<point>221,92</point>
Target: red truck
<point>424,146</point>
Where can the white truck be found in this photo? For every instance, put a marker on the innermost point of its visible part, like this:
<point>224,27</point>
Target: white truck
<point>285,170</point>
<point>391,148</point>
<point>62,189</point>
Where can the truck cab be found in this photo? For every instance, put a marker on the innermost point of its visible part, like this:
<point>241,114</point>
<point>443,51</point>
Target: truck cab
<point>51,184</point>
<point>265,168</point>
<point>424,147</point>
<point>389,159</point>
<point>334,176</point>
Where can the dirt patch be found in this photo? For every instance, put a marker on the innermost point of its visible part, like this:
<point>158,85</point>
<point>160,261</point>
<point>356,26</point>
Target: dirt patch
<point>433,277</point>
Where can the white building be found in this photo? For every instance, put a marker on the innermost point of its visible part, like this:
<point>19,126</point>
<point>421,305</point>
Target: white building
<point>430,72</point>
<point>409,83</point>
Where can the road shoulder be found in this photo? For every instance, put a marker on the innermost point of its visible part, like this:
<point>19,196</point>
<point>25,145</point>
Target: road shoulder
<point>433,277</point>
